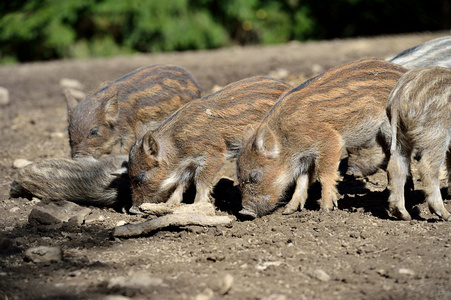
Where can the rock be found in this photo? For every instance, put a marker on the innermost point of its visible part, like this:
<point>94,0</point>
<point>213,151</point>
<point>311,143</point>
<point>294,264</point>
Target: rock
<point>135,281</point>
<point>79,95</point>
<point>216,88</point>
<point>20,163</point>
<point>14,209</point>
<point>222,284</point>
<point>4,96</point>
<point>321,275</point>
<point>57,212</point>
<point>207,294</point>
<point>71,84</point>
<point>279,74</point>
<point>121,223</point>
<point>404,271</point>
<point>316,69</point>
<point>44,254</point>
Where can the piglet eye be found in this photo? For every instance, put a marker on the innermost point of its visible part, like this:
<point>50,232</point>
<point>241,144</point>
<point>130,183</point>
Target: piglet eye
<point>255,176</point>
<point>93,132</point>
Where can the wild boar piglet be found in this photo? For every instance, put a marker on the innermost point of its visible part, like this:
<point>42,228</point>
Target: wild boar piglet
<point>302,136</point>
<point>191,146</point>
<point>105,121</point>
<point>419,110</point>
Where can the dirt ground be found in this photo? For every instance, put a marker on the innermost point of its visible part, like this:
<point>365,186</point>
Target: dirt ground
<point>356,252</point>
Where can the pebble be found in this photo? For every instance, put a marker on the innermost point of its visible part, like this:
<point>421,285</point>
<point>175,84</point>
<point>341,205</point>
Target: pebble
<point>404,271</point>
<point>135,280</point>
<point>71,84</point>
<point>79,95</point>
<point>57,212</point>
<point>44,254</point>
<point>121,223</point>
<point>276,297</point>
<point>321,275</point>
<point>207,294</point>
<point>216,88</point>
<point>279,74</point>
<point>222,284</point>
<point>14,209</point>
<point>4,96</point>
<point>21,163</point>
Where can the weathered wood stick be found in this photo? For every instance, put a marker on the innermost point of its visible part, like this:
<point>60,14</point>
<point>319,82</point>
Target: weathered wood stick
<point>179,219</point>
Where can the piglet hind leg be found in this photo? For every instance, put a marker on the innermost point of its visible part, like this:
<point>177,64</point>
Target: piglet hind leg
<point>429,169</point>
<point>177,196</point>
<point>299,196</point>
<point>398,170</point>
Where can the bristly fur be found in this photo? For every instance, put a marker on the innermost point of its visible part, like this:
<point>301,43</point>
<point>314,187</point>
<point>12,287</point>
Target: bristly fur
<point>191,146</point>
<point>419,109</point>
<point>106,121</point>
<point>311,125</point>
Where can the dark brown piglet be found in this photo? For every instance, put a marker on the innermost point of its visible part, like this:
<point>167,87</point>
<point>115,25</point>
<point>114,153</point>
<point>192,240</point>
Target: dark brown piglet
<point>85,181</point>
<point>191,146</point>
<point>105,121</point>
<point>302,136</point>
<point>419,109</point>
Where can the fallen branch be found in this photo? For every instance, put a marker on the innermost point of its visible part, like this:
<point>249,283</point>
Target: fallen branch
<point>176,219</point>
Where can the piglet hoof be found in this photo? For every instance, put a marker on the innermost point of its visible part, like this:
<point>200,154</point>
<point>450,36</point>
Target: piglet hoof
<point>325,210</point>
<point>247,214</point>
<point>400,214</point>
<point>289,211</point>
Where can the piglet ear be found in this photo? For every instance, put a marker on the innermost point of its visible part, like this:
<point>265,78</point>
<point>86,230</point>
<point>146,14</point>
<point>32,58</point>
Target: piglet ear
<point>71,102</point>
<point>112,109</point>
<point>266,142</point>
<point>150,145</point>
<point>248,132</point>
<point>140,129</point>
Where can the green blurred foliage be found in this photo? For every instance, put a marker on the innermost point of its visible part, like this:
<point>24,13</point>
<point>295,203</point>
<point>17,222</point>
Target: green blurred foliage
<point>51,29</point>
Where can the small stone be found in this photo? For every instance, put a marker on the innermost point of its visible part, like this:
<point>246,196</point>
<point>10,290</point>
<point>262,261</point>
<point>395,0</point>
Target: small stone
<point>21,163</point>
<point>216,88</point>
<point>207,294</point>
<point>57,212</point>
<point>136,280</point>
<point>71,84</point>
<point>58,135</point>
<point>404,271</point>
<point>93,218</point>
<point>44,254</point>
<point>14,209</point>
<point>222,285</point>
<point>276,297</point>
<point>316,69</point>
<point>121,223</point>
<point>79,95</point>
<point>4,96</point>
<point>279,74</point>
<point>321,275</point>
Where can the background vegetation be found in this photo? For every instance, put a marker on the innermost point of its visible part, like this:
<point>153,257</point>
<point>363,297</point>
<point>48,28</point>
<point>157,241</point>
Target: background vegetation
<point>52,29</point>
